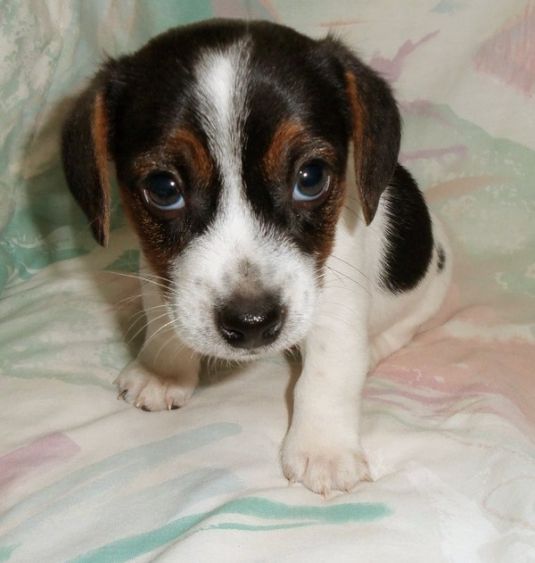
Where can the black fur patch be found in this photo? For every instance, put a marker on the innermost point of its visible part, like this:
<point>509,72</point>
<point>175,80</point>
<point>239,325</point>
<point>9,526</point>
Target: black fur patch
<point>305,85</point>
<point>409,235</point>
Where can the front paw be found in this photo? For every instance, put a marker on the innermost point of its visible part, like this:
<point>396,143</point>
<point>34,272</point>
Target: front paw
<point>139,386</point>
<point>321,465</point>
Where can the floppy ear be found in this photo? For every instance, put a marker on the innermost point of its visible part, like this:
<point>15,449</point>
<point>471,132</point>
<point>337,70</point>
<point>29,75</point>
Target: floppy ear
<point>85,152</point>
<point>375,126</point>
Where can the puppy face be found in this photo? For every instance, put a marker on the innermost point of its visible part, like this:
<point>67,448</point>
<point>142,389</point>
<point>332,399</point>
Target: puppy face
<point>230,142</point>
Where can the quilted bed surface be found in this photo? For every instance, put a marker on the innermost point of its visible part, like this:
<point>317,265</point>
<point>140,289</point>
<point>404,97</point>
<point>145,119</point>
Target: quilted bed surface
<point>448,421</point>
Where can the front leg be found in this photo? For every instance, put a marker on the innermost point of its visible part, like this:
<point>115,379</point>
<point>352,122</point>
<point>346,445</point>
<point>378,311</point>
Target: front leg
<point>166,371</point>
<point>322,448</point>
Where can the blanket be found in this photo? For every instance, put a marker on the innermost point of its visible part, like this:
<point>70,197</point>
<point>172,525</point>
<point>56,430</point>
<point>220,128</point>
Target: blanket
<point>448,421</point>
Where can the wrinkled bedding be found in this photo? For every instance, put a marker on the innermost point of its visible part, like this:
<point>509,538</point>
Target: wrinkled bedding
<point>448,421</point>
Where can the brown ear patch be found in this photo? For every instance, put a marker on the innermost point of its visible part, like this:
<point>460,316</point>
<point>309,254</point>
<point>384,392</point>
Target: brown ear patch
<point>362,146</point>
<point>99,133</point>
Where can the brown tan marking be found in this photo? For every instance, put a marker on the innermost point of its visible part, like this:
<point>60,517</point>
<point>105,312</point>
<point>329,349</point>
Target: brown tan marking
<point>329,221</point>
<point>286,135</point>
<point>290,134</point>
<point>99,133</point>
<point>149,233</point>
<point>198,156</point>
<point>361,150</point>
<point>184,143</point>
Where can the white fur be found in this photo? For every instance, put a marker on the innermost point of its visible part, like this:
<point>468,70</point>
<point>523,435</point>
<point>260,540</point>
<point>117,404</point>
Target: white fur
<point>221,80</point>
<point>345,326</point>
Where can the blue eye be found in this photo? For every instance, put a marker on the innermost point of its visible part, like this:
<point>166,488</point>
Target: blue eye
<point>312,181</point>
<point>162,190</point>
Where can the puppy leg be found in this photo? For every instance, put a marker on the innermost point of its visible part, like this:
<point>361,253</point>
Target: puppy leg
<point>166,371</point>
<point>322,448</point>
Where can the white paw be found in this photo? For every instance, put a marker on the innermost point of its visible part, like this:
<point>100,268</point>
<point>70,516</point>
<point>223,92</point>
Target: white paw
<point>146,391</point>
<point>323,469</point>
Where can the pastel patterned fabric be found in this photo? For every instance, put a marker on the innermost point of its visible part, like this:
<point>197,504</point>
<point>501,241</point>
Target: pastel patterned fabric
<point>449,421</point>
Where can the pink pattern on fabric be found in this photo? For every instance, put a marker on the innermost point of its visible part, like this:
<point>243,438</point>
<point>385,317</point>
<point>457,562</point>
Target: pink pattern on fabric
<point>391,68</point>
<point>43,451</point>
<point>510,53</point>
<point>459,151</point>
<point>468,367</point>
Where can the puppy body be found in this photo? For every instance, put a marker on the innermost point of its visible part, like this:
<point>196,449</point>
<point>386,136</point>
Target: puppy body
<point>259,169</point>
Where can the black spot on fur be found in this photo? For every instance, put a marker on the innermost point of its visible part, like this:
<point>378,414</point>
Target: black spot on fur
<point>441,259</point>
<point>409,236</point>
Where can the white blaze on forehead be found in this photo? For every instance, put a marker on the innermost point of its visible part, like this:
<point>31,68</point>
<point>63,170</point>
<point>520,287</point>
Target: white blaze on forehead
<point>222,77</point>
<point>221,90</point>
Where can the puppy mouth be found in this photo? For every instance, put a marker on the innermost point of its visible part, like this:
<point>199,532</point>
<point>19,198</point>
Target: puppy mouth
<point>231,354</point>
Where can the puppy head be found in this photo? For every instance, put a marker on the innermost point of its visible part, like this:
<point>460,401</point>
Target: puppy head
<point>230,142</point>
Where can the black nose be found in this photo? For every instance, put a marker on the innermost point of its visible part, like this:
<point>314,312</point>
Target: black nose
<point>246,322</point>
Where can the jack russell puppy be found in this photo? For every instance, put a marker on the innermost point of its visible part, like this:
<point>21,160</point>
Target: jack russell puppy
<point>259,169</point>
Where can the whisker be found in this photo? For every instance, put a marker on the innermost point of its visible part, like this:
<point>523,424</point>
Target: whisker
<point>127,300</point>
<point>330,268</point>
<point>138,277</point>
<point>336,273</point>
<point>177,350</point>
<point>136,318</point>
<point>352,266</point>
<point>341,287</point>
<point>146,326</point>
<point>330,316</point>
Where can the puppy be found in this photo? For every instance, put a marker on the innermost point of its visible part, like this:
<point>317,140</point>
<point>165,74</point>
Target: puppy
<point>259,170</point>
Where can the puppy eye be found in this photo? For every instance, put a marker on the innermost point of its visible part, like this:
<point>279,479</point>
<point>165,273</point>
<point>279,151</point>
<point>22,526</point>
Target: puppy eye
<point>162,190</point>
<point>312,181</point>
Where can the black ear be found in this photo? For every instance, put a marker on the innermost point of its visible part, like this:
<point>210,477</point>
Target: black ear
<point>375,126</point>
<point>85,152</point>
